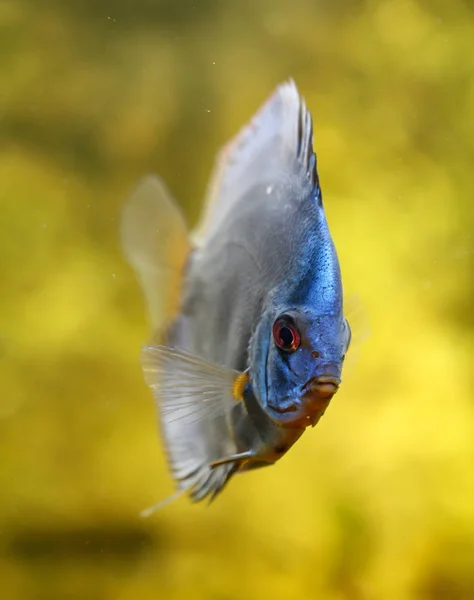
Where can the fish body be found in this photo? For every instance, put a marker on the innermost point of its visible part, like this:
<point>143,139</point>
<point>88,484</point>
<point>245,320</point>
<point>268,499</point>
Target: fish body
<point>247,310</point>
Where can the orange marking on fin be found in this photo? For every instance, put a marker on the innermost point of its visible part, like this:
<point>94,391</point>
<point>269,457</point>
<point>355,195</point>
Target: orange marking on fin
<point>239,386</point>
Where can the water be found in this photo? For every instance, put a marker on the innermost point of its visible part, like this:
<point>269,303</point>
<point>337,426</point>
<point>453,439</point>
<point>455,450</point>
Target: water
<point>377,502</point>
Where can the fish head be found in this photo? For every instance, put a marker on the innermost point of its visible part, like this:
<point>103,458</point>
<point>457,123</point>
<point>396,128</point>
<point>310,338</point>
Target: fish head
<point>306,333</point>
<point>300,367</point>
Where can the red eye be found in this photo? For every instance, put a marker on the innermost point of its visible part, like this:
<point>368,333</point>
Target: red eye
<point>286,334</point>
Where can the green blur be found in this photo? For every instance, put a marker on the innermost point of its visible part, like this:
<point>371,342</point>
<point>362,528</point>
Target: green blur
<point>376,502</point>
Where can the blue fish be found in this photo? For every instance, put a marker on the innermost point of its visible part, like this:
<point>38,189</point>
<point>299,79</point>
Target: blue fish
<point>248,331</point>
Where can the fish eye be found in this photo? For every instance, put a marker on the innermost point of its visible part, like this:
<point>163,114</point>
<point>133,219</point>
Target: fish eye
<point>286,334</point>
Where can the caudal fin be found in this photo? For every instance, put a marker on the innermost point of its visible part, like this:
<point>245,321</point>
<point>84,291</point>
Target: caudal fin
<point>155,242</point>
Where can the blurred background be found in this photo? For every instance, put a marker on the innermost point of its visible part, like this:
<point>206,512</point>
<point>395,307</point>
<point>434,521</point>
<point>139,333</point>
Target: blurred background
<point>377,502</point>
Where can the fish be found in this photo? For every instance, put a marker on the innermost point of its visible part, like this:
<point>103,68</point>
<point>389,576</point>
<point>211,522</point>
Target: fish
<point>248,332</point>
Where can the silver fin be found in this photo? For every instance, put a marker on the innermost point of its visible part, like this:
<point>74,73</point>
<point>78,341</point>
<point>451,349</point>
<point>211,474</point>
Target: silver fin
<point>358,319</point>
<point>155,242</point>
<point>147,512</point>
<point>359,324</point>
<point>235,458</point>
<point>194,400</point>
<point>186,387</point>
<point>280,135</point>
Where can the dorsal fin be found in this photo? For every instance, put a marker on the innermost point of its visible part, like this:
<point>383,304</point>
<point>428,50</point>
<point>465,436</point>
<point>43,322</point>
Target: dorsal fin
<point>279,137</point>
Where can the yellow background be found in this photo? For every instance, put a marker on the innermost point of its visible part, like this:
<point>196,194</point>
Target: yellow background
<point>376,502</point>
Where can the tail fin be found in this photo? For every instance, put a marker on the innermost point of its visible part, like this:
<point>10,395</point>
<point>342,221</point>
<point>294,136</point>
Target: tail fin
<point>155,242</point>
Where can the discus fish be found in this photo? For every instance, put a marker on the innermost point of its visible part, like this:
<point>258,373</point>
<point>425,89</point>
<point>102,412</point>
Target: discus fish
<point>249,335</point>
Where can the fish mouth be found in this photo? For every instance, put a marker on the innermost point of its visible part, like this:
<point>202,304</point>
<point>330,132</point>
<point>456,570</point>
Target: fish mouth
<point>307,410</point>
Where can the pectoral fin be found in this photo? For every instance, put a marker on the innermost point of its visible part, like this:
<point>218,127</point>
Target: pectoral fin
<point>359,325</point>
<point>195,399</point>
<point>187,388</point>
